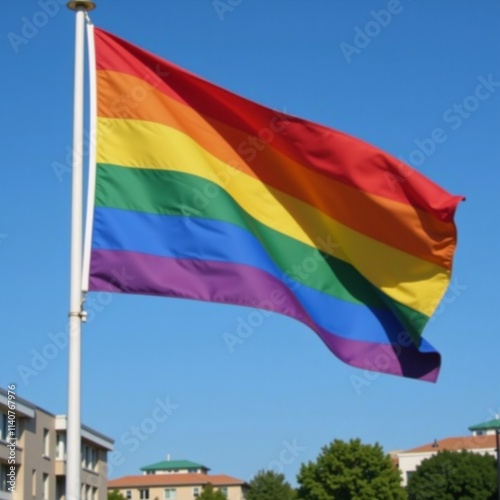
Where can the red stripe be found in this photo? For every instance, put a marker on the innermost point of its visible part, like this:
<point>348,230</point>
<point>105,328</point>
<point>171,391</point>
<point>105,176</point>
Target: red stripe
<point>314,146</point>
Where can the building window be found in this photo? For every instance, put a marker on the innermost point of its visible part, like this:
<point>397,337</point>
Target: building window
<point>84,456</point>
<point>88,457</point>
<point>3,426</point>
<point>60,446</point>
<point>144,494</point>
<point>45,487</point>
<point>93,458</point>
<point>170,493</point>
<point>60,487</point>
<point>3,477</point>
<point>46,443</point>
<point>95,493</point>
<point>223,490</point>
<point>196,491</point>
<point>128,494</point>
<point>33,482</point>
<point>409,474</point>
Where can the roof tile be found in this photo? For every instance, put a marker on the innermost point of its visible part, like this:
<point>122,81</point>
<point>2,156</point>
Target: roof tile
<point>457,444</point>
<point>174,480</point>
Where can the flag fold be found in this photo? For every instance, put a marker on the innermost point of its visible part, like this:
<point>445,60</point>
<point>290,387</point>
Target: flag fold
<point>203,194</point>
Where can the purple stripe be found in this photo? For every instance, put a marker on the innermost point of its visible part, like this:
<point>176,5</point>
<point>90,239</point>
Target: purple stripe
<point>229,283</point>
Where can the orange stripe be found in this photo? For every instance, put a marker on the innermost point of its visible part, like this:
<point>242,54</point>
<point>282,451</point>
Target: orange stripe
<point>315,147</point>
<point>413,231</point>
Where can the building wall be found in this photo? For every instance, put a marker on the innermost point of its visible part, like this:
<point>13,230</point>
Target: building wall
<point>408,462</point>
<point>23,426</point>
<point>40,462</point>
<point>235,493</point>
<point>38,458</point>
<point>94,475</point>
<point>182,492</point>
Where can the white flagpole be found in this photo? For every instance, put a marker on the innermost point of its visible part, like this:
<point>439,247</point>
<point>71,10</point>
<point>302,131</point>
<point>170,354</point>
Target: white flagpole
<point>73,432</point>
<point>87,241</point>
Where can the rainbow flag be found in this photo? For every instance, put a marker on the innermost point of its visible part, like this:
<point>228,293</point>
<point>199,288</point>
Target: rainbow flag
<point>202,194</point>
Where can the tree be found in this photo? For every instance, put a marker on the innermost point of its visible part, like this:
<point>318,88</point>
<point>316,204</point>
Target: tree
<point>451,474</point>
<point>269,485</point>
<point>115,495</point>
<point>210,494</point>
<point>350,471</point>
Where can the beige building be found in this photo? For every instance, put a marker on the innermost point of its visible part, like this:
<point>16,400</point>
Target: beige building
<point>176,480</point>
<point>481,441</point>
<point>33,454</point>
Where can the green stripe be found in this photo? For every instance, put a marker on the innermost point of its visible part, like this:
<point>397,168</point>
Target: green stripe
<point>176,193</point>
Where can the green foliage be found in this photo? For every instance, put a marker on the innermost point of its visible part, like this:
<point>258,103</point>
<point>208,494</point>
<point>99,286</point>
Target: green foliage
<point>350,471</point>
<point>269,485</point>
<point>449,475</point>
<point>115,495</point>
<point>210,494</point>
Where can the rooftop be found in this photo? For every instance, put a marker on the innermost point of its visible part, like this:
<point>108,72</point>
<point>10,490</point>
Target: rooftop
<point>173,464</point>
<point>486,426</point>
<point>27,409</point>
<point>457,444</point>
<point>173,480</point>
<point>86,433</point>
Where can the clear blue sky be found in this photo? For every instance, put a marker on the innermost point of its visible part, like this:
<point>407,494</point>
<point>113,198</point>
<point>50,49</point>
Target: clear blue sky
<point>236,412</point>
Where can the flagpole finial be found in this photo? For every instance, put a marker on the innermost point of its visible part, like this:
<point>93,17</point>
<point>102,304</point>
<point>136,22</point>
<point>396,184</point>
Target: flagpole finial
<point>81,5</point>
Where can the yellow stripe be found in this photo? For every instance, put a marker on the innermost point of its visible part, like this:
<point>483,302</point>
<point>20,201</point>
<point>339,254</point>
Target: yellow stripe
<point>414,282</point>
<point>418,233</point>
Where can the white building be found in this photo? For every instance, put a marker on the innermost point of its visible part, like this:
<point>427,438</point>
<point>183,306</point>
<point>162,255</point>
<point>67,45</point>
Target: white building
<point>482,440</point>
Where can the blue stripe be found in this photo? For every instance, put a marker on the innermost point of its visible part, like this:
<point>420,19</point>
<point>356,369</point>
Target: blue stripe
<point>212,240</point>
